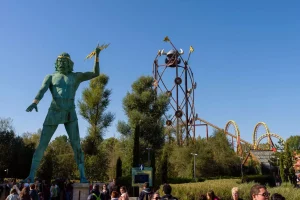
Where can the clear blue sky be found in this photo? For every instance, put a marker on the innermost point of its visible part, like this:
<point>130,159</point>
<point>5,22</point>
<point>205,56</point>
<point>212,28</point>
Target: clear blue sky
<point>246,61</point>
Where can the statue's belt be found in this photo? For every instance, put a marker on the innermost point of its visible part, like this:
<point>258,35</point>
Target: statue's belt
<point>57,108</point>
<point>62,110</point>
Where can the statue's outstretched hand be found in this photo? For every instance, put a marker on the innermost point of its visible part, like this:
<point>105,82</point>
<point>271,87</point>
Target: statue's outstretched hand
<point>97,50</point>
<point>100,48</point>
<point>31,107</point>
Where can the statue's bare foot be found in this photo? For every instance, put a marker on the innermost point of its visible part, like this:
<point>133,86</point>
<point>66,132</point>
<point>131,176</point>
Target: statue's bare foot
<point>83,180</point>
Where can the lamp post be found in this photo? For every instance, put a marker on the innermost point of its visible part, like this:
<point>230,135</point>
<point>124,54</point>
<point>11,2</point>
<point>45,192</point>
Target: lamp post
<point>149,161</point>
<point>194,154</point>
<point>6,171</point>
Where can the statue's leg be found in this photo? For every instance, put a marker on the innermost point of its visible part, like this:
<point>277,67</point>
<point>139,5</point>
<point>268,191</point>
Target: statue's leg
<point>73,132</point>
<point>47,133</point>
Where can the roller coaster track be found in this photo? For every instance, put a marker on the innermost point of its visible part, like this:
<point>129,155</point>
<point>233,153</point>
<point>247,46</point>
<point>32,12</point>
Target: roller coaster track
<point>220,129</point>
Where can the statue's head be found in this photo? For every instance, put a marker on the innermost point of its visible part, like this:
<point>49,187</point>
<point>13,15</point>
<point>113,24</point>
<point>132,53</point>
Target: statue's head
<point>63,63</point>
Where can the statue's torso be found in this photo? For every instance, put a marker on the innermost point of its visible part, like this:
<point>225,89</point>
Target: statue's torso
<point>63,89</point>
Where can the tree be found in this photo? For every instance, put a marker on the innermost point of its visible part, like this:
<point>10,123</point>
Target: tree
<point>164,165</point>
<point>110,150</point>
<point>64,164</point>
<point>282,175</point>
<point>6,124</point>
<point>288,163</point>
<point>14,154</point>
<point>45,170</point>
<point>294,143</point>
<point>58,160</point>
<point>32,138</point>
<point>6,146</point>
<point>136,147</point>
<point>119,168</point>
<point>124,128</point>
<point>215,158</point>
<point>95,100</point>
<point>144,109</point>
<point>96,166</point>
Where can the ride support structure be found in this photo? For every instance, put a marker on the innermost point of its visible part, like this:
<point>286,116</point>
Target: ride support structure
<point>173,76</point>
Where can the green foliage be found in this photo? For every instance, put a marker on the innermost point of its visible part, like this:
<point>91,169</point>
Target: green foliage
<point>288,163</point>
<point>261,179</point>
<point>222,189</point>
<point>15,154</point>
<point>294,143</point>
<point>144,110</point>
<point>6,124</point>
<point>143,106</point>
<point>32,138</point>
<point>109,147</point>
<point>180,180</point>
<point>124,150</point>
<point>58,161</point>
<point>164,164</point>
<point>282,176</point>
<point>95,100</point>
<point>7,139</point>
<point>45,170</point>
<point>136,147</point>
<point>96,166</point>
<point>123,128</point>
<point>215,158</point>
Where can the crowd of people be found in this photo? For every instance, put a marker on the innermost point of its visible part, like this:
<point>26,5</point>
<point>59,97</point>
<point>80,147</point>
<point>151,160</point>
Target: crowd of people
<point>39,190</point>
<point>63,190</point>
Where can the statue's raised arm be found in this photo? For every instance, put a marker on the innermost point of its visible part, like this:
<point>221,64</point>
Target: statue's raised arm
<point>84,76</point>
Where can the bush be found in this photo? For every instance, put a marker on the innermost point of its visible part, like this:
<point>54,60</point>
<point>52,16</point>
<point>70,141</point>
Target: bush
<point>180,180</point>
<point>124,181</point>
<point>261,179</point>
<point>222,189</point>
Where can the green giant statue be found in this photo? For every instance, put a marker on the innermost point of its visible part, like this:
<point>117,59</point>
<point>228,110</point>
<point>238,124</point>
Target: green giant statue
<point>63,84</point>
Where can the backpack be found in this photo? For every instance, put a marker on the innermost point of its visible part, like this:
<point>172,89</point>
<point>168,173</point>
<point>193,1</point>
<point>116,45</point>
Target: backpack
<point>53,192</point>
<point>97,197</point>
<point>147,196</point>
<point>12,197</point>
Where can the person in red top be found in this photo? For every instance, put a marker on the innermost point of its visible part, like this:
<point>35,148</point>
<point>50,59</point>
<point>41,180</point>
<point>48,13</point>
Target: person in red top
<point>211,195</point>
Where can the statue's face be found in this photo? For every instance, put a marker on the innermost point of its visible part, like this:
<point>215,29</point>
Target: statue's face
<point>63,65</point>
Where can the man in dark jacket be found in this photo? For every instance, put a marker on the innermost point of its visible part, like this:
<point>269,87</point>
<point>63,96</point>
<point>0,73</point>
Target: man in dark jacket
<point>95,193</point>
<point>168,190</point>
<point>146,192</point>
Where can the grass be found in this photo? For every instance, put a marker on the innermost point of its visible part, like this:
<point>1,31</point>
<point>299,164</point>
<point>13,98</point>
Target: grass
<point>222,189</point>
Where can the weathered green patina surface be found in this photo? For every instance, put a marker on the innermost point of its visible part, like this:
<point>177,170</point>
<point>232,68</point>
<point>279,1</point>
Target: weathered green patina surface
<point>62,84</point>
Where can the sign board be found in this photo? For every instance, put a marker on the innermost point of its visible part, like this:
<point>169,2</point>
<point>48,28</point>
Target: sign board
<point>142,174</point>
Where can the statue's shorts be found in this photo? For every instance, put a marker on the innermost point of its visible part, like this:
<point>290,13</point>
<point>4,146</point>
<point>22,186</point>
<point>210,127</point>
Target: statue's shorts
<point>55,117</point>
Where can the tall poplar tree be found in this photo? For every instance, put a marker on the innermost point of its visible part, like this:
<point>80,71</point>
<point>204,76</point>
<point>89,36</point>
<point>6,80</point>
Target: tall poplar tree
<point>144,109</point>
<point>93,106</point>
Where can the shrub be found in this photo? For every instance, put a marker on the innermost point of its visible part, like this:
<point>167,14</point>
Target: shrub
<point>222,189</point>
<point>261,179</point>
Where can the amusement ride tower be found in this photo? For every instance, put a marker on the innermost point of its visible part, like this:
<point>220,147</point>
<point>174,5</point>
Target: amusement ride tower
<point>181,116</point>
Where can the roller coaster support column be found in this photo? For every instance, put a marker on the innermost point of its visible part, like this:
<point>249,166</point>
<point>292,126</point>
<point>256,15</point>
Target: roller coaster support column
<point>242,174</point>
